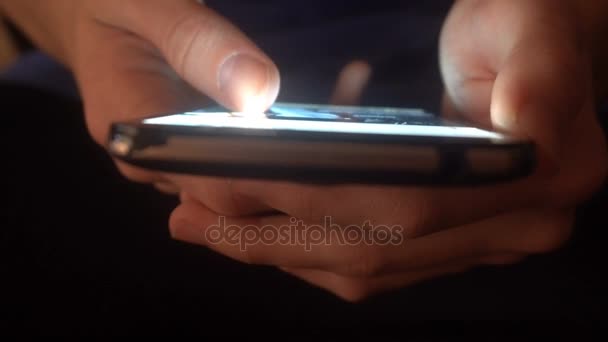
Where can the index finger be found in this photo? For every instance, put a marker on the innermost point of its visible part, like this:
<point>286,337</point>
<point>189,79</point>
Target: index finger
<point>420,211</point>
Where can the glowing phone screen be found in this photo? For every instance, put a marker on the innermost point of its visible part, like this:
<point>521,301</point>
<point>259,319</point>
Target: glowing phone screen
<point>336,119</point>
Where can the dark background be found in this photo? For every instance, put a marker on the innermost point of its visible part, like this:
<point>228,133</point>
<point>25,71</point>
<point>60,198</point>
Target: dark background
<point>89,252</point>
<point>85,251</point>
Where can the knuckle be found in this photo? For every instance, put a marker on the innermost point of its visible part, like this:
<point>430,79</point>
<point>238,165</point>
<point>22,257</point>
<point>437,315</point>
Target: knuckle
<point>182,36</point>
<point>224,198</point>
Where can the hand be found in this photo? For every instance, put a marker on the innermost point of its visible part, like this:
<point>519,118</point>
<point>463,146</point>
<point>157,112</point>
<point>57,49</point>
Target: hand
<point>136,58</point>
<point>521,66</point>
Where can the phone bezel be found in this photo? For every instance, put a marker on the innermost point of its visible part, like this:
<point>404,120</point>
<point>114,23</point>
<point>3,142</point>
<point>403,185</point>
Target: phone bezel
<point>454,165</point>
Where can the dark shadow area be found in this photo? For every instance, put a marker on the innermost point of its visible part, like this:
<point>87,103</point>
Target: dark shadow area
<point>88,252</point>
<point>85,251</point>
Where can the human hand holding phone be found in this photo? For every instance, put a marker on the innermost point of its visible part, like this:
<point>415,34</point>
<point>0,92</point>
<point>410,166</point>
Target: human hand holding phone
<point>136,57</point>
<point>133,58</point>
<point>527,69</point>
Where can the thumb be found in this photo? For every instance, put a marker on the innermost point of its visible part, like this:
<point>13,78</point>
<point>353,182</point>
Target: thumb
<point>541,88</point>
<point>206,50</point>
<point>351,83</point>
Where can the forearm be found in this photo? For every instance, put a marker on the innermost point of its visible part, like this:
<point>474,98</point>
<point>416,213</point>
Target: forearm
<point>49,24</point>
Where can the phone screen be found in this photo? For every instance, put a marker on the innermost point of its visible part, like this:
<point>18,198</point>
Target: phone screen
<point>336,119</point>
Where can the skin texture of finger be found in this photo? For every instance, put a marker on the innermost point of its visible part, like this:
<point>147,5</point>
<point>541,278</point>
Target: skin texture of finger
<point>132,81</point>
<point>49,24</point>
<point>532,57</point>
<point>217,194</point>
<point>534,96</point>
<point>137,82</point>
<point>167,188</point>
<point>450,112</point>
<point>527,73</point>
<point>204,48</point>
<point>419,210</point>
<point>351,83</point>
<point>530,70</point>
<point>247,240</point>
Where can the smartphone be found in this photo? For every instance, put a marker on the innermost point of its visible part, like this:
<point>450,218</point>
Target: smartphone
<point>323,144</point>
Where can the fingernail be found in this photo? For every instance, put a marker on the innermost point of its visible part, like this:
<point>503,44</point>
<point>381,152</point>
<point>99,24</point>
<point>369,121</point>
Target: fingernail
<point>249,83</point>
